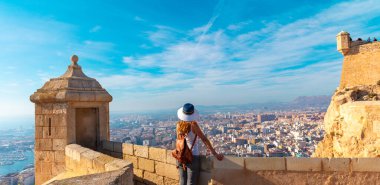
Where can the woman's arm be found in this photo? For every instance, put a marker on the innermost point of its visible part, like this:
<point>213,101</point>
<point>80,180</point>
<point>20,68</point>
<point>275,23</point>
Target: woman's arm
<point>197,130</point>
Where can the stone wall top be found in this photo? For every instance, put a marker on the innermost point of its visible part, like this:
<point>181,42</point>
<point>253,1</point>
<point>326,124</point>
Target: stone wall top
<point>83,164</point>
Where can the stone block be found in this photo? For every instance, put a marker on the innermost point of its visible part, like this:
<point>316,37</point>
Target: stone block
<point>58,168</point>
<point>169,181</point>
<point>43,178</point>
<point>336,164</point>
<point>157,154</point>
<point>87,157</point>
<point>38,132</point>
<point>87,96</point>
<point>303,164</point>
<point>265,163</point>
<point>37,109</point>
<point>116,164</point>
<point>43,144</point>
<point>169,158</point>
<point>365,164</point>
<point>99,162</point>
<point>39,120</point>
<point>167,170</point>
<point>154,179</point>
<point>59,144</point>
<point>138,174</point>
<point>47,133</point>
<point>107,145</point>
<point>118,147</point>
<point>206,163</point>
<point>145,164</point>
<point>46,168</point>
<point>59,132</point>
<point>59,156</point>
<point>132,159</point>
<point>69,149</point>
<point>232,163</point>
<point>140,151</point>
<point>44,156</point>
<point>75,155</point>
<point>127,148</point>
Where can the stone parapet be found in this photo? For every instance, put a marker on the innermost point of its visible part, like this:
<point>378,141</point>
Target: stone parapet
<point>156,166</point>
<point>83,164</point>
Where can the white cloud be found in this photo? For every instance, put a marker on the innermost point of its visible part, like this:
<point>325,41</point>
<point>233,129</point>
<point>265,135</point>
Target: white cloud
<point>95,29</point>
<point>278,62</point>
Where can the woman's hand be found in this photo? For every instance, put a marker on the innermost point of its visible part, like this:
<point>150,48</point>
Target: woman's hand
<point>219,156</point>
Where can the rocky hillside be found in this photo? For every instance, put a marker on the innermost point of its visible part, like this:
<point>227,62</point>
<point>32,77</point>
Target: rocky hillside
<point>352,123</point>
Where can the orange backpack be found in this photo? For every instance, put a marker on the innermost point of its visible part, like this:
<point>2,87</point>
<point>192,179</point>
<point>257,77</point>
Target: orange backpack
<point>182,152</point>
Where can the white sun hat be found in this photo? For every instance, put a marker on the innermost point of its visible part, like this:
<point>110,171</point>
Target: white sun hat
<point>188,113</point>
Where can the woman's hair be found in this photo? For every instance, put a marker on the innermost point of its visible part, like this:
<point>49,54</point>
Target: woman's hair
<point>184,127</point>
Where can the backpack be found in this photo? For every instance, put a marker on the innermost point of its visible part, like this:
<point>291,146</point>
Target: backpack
<point>182,152</point>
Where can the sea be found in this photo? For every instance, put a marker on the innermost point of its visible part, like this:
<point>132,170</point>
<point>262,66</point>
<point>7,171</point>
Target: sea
<point>14,128</point>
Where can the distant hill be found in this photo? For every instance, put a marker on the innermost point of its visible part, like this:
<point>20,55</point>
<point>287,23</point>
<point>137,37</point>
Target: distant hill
<point>311,101</point>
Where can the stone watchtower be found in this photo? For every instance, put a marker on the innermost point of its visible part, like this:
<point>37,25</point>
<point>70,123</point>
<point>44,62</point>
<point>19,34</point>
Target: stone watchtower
<point>72,108</point>
<point>343,42</point>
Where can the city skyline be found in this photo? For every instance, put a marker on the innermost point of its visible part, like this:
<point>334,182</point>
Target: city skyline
<point>149,56</point>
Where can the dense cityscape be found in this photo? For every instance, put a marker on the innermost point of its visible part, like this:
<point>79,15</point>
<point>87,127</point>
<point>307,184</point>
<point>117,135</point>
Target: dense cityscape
<point>256,133</point>
<point>269,134</point>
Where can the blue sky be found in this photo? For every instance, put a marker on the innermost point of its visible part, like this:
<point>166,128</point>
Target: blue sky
<point>154,55</point>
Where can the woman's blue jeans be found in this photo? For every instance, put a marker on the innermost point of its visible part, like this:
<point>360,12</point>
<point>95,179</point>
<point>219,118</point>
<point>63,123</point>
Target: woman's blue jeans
<point>190,176</point>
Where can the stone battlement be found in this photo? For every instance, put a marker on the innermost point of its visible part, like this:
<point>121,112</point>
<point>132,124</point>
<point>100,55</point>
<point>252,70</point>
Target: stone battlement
<point>361,65</point>
<point>85,165</point>
<point>156,166</point>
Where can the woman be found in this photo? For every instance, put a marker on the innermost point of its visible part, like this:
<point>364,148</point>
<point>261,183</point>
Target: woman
<point>187,124</point>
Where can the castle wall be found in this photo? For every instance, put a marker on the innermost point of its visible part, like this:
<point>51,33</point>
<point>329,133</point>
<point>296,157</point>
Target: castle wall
<point>156,166</point>
<point>50,140</point>
<point>361,65</point>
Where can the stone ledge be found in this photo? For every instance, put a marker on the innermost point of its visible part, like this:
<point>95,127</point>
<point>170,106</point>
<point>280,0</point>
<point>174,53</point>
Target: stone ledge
<point>231,163</point>
<point>336,164</point>
<point>304,164</point>
<point>366,164</point>
<point>265,163</point>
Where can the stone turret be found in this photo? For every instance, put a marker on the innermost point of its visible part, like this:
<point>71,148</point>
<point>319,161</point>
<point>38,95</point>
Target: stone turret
<point>343,42</point>
<point>72,108</point>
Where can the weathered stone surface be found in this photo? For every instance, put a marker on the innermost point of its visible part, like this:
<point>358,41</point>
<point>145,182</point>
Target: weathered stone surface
<point>132,159</point>
<point>351,121</point>
<point>127,148</point>
<point>169,181</point>
<point>99,162</point>
<point>151,178</point>
<point>264,163</point>
<point>167,170</point>
<point>141,151</point>
<point>350,130</point>
<point>59,144</point>
<point>117,164</point>
<point>303,164</point>
<point>138,174</point>
<point>233,163</point>
<point>157,154</point>
<point>169,158</point>
<point>366,165</point>
<point>145,164</point>
<point>43,144</point>
<point>44,156</point>
<point>59,156</point>
<point>336,164</point>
